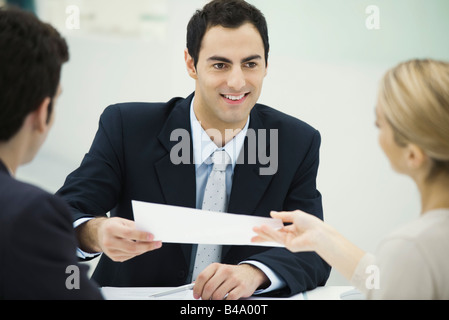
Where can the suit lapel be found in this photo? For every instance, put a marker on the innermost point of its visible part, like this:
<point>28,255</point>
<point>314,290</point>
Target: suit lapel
<point>177,181</point>
<point>248,185</point>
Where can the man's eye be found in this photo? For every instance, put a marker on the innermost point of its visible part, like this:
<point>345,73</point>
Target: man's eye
<point>219,66</point>
<point>251,64</point>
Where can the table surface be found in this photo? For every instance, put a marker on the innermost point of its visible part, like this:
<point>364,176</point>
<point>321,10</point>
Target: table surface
<point>144,293</point>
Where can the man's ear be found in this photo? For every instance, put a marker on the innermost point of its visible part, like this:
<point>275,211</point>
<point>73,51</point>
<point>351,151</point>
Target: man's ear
<point>190,64</point>
<point>40,116</point>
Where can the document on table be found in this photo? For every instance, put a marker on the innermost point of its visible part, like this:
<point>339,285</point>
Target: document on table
<point>147,293</point>
<point>186,225</point>
<point>142,293</point>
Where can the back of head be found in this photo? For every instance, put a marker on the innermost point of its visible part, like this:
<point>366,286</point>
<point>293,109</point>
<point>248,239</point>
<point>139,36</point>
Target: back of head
<point>228,14</point>
<point>31,56</point>
<point>415,99</point>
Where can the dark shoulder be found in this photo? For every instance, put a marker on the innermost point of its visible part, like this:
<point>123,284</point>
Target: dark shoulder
<point>285,123</point>
<point>140,111</point>
<point>22,201</point>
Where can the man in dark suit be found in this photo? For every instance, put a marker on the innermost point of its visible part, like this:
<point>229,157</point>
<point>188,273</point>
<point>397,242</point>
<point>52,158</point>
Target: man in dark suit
<point>37,242</point>
<point>139,153</point>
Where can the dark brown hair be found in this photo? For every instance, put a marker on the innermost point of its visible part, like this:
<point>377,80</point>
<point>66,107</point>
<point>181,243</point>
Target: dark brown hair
<point>31,56</point>
<point>228,14</point>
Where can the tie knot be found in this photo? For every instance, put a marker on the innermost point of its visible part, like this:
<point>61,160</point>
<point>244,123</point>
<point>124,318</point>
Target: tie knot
<point>220,160</point>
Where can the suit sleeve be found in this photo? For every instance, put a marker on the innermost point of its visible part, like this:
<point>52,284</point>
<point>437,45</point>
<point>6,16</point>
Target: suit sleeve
<point>93,189</point>
<point>305,270</point>
<point>42,255</point>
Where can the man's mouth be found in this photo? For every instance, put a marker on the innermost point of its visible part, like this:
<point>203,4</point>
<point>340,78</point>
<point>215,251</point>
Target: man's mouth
<point>232,98</point>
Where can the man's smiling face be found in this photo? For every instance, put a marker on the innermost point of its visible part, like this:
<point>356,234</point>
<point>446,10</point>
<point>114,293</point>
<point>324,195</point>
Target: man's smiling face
<point>229,76</point>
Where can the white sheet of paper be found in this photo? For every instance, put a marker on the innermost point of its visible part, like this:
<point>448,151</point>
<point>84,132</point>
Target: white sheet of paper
<point>186,225</point>
<point>144,293</point>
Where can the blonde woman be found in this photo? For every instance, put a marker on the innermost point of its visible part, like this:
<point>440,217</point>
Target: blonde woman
<point>413,262</point>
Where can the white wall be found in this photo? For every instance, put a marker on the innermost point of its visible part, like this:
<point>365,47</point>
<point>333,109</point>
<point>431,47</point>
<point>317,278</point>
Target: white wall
<point>324,68</point>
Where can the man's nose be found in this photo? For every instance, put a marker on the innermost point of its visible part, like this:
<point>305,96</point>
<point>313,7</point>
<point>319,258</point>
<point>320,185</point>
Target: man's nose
<point>236,79</point>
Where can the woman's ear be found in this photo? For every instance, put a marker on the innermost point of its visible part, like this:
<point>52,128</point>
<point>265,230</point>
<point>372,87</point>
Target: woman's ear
<point>415,157</point>
<point>190,64</point>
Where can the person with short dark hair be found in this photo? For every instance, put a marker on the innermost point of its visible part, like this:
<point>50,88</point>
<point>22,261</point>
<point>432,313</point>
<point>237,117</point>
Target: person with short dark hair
<point>228,14</point>
<point>37,242</point>
<point>131,158</point>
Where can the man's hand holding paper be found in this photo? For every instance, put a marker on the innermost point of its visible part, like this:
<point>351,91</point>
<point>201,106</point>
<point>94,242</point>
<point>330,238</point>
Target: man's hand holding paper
<point>118,238</point>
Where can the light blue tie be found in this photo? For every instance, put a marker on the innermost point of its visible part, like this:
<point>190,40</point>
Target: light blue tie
<point>215,199</point>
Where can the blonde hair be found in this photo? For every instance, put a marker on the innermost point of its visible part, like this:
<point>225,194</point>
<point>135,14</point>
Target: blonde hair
<point>415,99</point>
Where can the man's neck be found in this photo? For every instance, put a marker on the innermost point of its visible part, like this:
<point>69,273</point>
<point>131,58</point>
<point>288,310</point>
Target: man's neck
<point>11,155</point>
<point>219,132</point>
<point>11,169</point>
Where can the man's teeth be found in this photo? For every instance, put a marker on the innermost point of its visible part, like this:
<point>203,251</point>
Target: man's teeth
<point>234,98</point>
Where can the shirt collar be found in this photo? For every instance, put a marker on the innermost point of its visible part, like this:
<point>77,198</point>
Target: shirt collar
<point>203,146</point>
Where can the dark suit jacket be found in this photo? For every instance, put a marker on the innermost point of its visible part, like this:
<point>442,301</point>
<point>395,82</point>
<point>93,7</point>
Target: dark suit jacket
<point>37,244</point>
<point>130,160</point>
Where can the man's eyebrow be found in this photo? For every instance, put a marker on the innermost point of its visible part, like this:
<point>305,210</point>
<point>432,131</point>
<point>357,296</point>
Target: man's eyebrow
<point>253,57</point>
<point>218,58</point>
<point>223,59</point>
